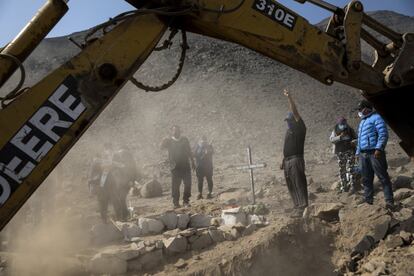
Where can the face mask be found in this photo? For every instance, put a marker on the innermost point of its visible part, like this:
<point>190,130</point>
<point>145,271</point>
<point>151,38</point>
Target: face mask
<point>342,127</point>
<point>360,114</point>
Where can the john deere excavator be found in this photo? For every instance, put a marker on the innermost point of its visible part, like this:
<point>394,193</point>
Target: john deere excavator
<point>40,124</point>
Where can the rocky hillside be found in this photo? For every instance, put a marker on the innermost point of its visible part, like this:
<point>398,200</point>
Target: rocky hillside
<point>227,92</point>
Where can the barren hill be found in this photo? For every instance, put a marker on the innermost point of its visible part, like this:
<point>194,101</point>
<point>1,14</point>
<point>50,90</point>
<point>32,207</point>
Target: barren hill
<point>230,93</point>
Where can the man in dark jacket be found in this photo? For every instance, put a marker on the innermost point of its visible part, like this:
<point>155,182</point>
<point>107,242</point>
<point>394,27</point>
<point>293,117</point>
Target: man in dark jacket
<point>103,184</point>
<point>203,153</point>
<point>343,137</point>
<point>124,170</point>
<point>180,155</point>
<point>372,140</point>
<point>293,162</point>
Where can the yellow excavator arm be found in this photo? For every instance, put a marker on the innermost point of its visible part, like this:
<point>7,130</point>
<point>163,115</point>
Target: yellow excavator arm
<point>41,123</point>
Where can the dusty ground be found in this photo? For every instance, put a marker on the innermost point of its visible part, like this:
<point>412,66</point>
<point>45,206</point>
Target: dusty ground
<point>285,247</point>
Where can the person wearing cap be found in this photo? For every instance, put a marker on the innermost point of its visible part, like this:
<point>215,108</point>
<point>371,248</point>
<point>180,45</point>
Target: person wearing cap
<point>293,162</point>
<point>372,140</point>
<point>343,137</point>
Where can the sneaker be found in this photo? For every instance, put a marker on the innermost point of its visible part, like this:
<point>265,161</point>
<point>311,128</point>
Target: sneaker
<point>209,196</point>
<point>200,196</point>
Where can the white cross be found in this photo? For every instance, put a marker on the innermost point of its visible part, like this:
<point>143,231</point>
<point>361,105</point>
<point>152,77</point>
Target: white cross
<point>251,167</point>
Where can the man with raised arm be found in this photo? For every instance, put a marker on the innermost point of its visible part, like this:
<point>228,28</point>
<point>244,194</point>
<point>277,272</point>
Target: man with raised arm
<point>293,162</point>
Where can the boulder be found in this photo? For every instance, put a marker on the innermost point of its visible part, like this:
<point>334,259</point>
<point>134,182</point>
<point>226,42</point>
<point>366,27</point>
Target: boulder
<point>182,221</point>
<point>402,194</point>
<point>393,241</point>
<point>407,225</point>
<point>170,220</point>
<point>129,230</point>
<point>175,245</point>
<point>325,211</point>
<point>200,221</point>
<point>403,214</point>
<point>401,182</point>
<point>408,202</point>
<point>151,189</point>
<point>107,264</point>
<point>216,235</point>
<point>406,237</point>
<point>363,220</point>
<point>202,241</point>
<point>105,233</point>
<point>234,216</point>
<point>150,226</point>
<point>365,245</point>
<point>375,267</point>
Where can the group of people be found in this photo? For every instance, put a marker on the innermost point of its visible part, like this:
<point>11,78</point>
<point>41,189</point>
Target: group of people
<point>181,159</point>
<point>368,147</point>
<point>111,177</point>
<point>112,174</point>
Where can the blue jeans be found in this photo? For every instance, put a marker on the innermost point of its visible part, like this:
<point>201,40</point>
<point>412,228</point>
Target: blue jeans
<point>370,166</point>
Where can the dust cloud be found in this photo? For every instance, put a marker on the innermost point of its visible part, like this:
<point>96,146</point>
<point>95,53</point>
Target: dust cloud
<point>46,234</point>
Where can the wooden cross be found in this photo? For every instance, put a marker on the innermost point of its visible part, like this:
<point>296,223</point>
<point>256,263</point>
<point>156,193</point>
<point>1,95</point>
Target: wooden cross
<point>251,167</point>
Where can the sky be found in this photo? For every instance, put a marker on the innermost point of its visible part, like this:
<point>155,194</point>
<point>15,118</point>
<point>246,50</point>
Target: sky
<point>83,14</point>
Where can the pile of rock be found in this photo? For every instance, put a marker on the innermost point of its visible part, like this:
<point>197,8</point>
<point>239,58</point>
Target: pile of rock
<point>158,224</point>
<point>184,232</point>
<point>378,241</point>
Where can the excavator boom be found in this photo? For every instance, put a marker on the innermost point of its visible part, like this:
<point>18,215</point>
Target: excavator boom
<point>41,123</point>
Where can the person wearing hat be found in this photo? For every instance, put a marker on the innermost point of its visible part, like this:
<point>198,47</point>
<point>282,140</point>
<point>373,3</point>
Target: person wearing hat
<point>293,162</point>
<point>372,140</point>
<point>343,137</point>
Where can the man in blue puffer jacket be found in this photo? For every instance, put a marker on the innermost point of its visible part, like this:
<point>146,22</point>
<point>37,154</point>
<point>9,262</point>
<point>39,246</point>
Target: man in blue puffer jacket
<point>372,139</point>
